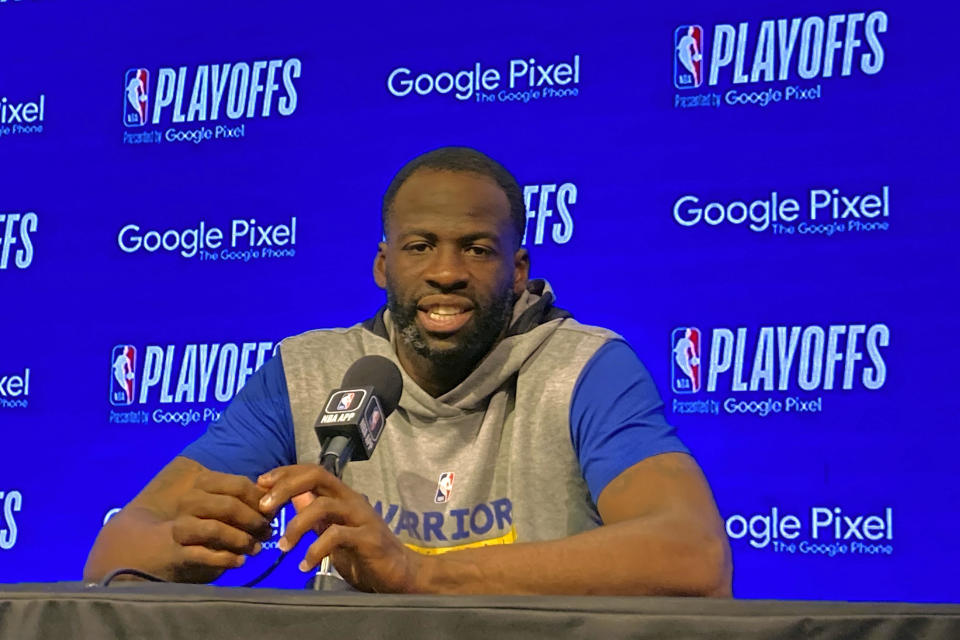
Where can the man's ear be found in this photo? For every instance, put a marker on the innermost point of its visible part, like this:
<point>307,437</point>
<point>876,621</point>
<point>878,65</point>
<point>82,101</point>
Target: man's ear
<point>521,271</point>
<point>380,266</point>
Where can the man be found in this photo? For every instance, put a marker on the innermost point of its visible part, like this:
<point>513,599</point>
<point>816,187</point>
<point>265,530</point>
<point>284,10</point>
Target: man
<point>529,447</point>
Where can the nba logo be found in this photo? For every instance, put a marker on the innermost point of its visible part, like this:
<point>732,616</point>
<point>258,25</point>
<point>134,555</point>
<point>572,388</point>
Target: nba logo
<point>444,487</point>
<point>345,401</point>
<point>135,85</point>
<point>123,365</point>
<point>688,56</point>
<point>686,360</point>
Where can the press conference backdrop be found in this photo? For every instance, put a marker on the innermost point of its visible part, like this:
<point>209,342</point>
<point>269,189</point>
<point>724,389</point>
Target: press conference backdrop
<point>760,197</point>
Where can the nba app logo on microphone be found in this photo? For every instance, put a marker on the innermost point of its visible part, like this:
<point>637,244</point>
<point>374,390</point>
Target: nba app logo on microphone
<point>136,82</point>
<point>346,401</point>
<point>685,360</point>
<point>688,56</point>
<point>123,367</point>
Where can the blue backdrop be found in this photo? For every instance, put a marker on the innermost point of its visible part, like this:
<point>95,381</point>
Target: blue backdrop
<point>757,197</point>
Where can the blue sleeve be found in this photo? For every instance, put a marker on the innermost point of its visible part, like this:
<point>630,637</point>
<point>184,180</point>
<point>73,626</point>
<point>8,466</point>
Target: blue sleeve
<point>255,432</point>
<point>616,416</point>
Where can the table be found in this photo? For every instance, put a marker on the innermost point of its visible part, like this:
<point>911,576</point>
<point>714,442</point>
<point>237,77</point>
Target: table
<point>146,610</point>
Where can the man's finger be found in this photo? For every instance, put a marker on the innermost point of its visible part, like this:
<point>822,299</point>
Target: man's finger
<point>266,480</point>
<point>302,501</point>
<point>188,531</point>
<point>230,485</point>
<point>336,536</point>
<point>290,481</point>
<point>319,514</point>
<point>227,509</point>
<point>200,556</point>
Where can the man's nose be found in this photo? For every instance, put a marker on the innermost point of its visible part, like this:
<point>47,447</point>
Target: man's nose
<point>447,270</point>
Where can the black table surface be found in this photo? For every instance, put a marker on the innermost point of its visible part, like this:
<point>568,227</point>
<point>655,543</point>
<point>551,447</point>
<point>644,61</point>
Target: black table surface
<point>147,610</point>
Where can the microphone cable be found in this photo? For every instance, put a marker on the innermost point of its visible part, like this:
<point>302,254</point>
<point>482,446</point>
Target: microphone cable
<point>126,572</point>
<point>152,578</point>
<point>276,563</point>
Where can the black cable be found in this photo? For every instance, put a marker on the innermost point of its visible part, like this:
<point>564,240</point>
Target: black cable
<point>152,578</point>
<point>129,572</point>
<point>276,563</point>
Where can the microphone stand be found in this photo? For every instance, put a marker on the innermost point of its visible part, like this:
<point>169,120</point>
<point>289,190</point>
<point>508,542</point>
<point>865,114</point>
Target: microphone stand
<point>326,578</point>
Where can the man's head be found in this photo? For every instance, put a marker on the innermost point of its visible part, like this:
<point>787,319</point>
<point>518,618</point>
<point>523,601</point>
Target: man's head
<point>451,261</point>
<point>462,160</point>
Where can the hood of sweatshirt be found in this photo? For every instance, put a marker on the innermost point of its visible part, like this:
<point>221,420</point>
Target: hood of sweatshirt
<point>534,320</point>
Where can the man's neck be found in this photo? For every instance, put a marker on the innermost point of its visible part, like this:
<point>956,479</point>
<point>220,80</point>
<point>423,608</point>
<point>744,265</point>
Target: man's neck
<point>434,378</point>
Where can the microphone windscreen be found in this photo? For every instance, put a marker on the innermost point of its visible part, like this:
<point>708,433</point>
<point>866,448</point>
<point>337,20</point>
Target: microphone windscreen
<point>381,374</point>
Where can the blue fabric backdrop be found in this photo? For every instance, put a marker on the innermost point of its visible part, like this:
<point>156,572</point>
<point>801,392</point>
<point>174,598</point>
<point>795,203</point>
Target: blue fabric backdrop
<point>759,197</point>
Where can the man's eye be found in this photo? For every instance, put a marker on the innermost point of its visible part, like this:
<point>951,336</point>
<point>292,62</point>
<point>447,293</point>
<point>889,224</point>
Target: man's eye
<point>479,251</point>
<point>417,247</point>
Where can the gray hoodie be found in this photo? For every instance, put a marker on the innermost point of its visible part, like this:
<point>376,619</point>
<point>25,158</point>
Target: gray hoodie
<point>489,462</point>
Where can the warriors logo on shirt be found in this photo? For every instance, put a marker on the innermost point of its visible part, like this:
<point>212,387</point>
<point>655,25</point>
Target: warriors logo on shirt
<point>444,487</point>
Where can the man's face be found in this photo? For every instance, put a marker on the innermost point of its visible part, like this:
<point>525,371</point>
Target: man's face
<point>449,266</point>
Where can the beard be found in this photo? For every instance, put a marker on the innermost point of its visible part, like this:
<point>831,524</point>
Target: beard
<point>472,342</point>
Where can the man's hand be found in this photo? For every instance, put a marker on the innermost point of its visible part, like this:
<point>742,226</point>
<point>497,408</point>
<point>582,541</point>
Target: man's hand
<point>218,523</point>
<point>189,525</point>
<point>662,535</point>
<point>363,549</point>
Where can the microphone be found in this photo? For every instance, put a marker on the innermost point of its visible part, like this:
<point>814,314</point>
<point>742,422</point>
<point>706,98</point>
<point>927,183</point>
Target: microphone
<point>352,420</point>
<point>349,428</point>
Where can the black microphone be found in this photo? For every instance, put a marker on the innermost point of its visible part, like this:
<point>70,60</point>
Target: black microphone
<point>349,428</point>
<point>352,420</point>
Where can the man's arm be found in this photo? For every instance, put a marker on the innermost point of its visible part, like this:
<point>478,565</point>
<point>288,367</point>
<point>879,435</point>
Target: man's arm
<point>662,535</point>
<point>189,524</point>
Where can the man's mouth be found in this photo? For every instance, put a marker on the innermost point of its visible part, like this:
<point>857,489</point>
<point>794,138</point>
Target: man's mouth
<point>443,316</point>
